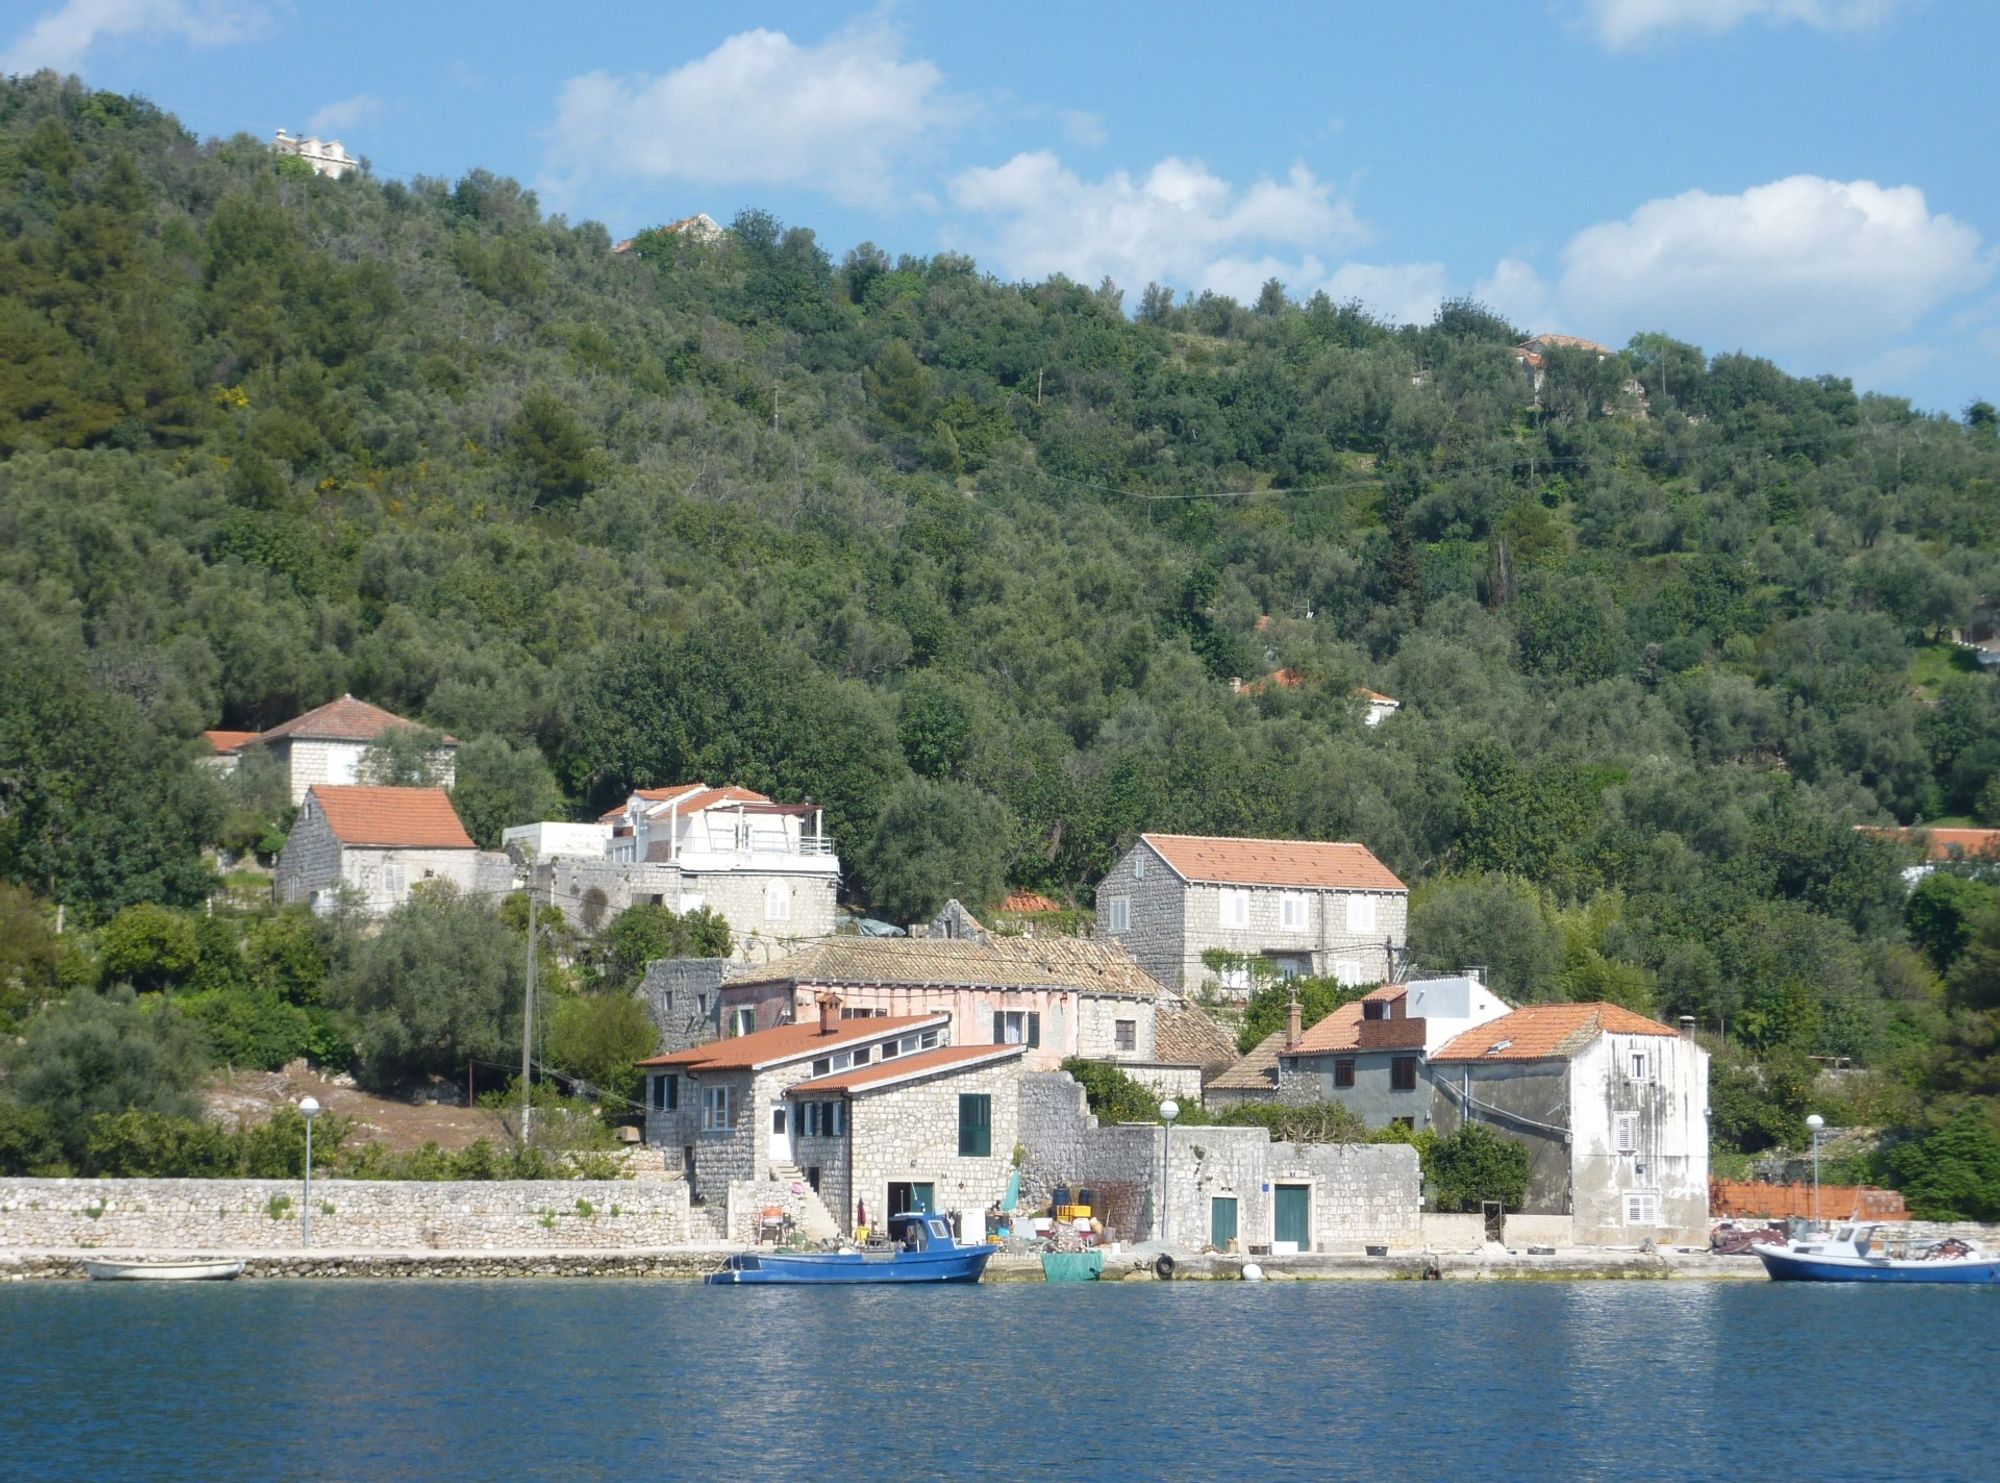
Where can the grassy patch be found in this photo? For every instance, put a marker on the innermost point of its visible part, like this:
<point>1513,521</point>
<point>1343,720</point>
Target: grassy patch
<point>1933,664</point>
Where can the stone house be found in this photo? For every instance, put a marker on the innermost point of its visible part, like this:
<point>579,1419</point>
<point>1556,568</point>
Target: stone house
<point>1286,907</point>
<point>364,849</point>
<point>1056,996</point>
<point>784,1104</point>
<point>1612,1105</point>
<point>327,745</point>
<point>766,868</point>
<point>225,750</point>
<point>327,157</point>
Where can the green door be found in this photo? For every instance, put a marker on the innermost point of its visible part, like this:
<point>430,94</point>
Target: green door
<point>1222,1221</point>
<point>1294,1215</point>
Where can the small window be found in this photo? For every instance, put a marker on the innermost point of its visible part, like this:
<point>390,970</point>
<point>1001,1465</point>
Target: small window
<point>778,1118</point>
<point>1639,1060</point>
<point>659,1094</point>
<point>929,1039</point>
<point>975,1125</point>
<point>1625,1132</point>
<point>1642,1207</point>
<point>1235,907</point>
<point>1235,975</point>
<point>1360,914</point>
<point>742,1020</point>
<point>1343,1072</point>
<point>715,1110</point>
<point>1125,1035</point>
<point>1118,914</point>
<point>1292,911</point>
<point>1403,1074</point>
<point>1347,972</point>
<point>777,902</point>
<point>890,1050</point>
<point>673,1092</point>
<point>1138,865</point>
<point>839,1119</point>
<point>823,1066</point>
<point>1016,1027</point>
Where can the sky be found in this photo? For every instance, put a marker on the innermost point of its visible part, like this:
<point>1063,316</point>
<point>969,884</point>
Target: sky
<point>1811,180</point>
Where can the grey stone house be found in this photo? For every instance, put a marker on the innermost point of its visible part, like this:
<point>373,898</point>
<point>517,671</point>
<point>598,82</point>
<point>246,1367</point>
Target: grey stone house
<point>365,849</point>
<point>1264,906</point>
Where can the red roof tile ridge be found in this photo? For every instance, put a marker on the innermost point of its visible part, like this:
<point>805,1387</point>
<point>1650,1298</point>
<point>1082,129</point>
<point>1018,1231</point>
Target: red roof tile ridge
<point>390,818</point>
<point>1537,1032</point>
<point>860,1078</point>
<point>787,1043</point>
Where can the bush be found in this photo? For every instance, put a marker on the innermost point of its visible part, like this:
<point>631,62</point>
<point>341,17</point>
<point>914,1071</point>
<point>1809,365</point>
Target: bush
<point>151,1145</point>
<point>1306,1122</point>
<point>599,1038</point>
<point>105,1053</point>
<point>29,1144</point>
<point>148,947</point>
<point>1113,1097</point>
<point>1474,1165</point>
<point>1265,1013</point>
<point>1953,1173</point>
<point>647,932</point>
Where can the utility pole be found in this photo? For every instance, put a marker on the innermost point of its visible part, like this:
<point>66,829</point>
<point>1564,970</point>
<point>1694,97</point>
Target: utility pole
<point>1038,388</point>
<point>528,1021</point>
<point>774,406</point>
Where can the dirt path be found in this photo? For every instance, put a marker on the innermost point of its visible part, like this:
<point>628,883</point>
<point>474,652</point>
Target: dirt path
<point>398,1124</point>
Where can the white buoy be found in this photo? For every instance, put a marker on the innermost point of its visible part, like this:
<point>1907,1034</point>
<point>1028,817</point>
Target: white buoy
<point>1252,1272</point>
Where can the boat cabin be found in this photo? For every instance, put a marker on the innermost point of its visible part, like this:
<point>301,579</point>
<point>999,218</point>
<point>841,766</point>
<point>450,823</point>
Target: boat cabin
<point>920,1231</point>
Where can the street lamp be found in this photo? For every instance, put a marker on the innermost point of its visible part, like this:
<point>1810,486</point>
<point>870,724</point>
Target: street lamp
<point>1814,1124</point>
<point>1169,1110</point>
<point>308,1109</point>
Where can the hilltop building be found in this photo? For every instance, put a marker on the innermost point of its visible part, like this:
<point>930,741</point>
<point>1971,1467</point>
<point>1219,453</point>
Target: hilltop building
<point>327,157</point>
<point>327,745</point>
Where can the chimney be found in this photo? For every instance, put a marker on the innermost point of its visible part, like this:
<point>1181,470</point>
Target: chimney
<point>829,1013</point>
<point>1294,1016</point>
<point>1687,1027</point>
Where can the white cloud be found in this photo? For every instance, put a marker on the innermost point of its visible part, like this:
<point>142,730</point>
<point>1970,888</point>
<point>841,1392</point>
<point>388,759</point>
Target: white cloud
<point>62,37</point>
<point>760,109</point>
<point>1401,293</point>
<point>1179,223</point>
<point>1621,24</point>
<point>347,113</point>
<point>1830,274</point>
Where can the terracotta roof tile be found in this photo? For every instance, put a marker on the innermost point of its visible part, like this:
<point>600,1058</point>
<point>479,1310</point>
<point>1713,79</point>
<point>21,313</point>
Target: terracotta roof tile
<point>1341,1030</point>
<point>345,719</point>
<point>223,742</point>
<point>901,1068</point>
<point>392,818</point>
<point>1094,967</point>
<point>1940,844</point>
<point>1542,1032</point>
<point>1256,1072</point>
<point>1187,1035</point>
<point>786,1043</point>
<point>1273,862</point>
<point>689,798</point>
<point>1028,903</point>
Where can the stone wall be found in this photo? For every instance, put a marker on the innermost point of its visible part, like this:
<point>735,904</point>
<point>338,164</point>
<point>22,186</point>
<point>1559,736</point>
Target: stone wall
<point>683,998</point>
<point>310,860</point>
<point>264,1214</point>
<point>738,896</point>
<point>1324,943</point>
<point>1155,931</point>
<point>909,1133</point>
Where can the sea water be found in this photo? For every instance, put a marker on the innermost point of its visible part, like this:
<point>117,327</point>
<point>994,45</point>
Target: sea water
<point>661,1380</point>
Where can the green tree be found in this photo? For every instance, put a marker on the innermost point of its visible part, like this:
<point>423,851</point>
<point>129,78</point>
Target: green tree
<point>1490,922</point>
<point>599,1037</point>
<point>404,757</point>
<point>647,932</point>
<point>499,785</point>
<point>1940,913</point>
<point>1474,1165</point>
<point>1269,1005</point>
<point>1952,1173</point>
<point>935,841</point>
<point>552,451</point>
<point>148,947</point>
<point>104,1052</point>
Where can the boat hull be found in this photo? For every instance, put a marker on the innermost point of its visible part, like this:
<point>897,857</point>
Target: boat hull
<point>1789,1266</point>
<point>163,1271</point>
<point>962,1264</point>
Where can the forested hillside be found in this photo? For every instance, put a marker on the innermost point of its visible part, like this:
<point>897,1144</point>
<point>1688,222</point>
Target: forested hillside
<point>975,564</point>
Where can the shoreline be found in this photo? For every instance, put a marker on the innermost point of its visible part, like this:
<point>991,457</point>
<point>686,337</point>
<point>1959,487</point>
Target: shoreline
<point>690,1264</point>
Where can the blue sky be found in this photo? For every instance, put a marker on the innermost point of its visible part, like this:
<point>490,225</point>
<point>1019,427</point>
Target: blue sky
<point>1812,180</point>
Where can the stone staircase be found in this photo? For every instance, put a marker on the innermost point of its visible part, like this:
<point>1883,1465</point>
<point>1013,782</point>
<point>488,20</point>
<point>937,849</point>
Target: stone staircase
<point>815,1221</point>
<point>708,1225</point>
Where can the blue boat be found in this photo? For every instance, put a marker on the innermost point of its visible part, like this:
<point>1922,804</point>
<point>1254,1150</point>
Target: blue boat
<point>922,1249</point>
<point>1849,1255</point>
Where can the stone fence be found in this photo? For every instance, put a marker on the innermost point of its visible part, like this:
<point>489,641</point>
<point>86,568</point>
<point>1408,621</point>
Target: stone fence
<point>348,1214</point>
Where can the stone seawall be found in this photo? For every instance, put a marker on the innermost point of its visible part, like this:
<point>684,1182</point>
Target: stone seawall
<point>264,1214</point>
<point>682,1264</point>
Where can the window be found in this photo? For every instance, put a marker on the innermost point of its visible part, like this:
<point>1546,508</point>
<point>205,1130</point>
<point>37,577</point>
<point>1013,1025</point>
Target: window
<point>1118,914</point>
<point>1343,1072</point>
<point>1625,1132</point>
<point>1638,1065</point>
<point>659,1094</point>
<point>1235,975</point>
<point>823,1066</point>
<point>1125,1034</point>
<point>975,1125</point>
<point>1016,1027</point>
<point>1292,911</point>
<point>393,880</point>
<point>1642,1207</point>
<point>839,1110</point>
<point>929,1039</point>
<point>1360,914</point>
<point>1403,1074</point>
<point>692,901</point>
<point>1138,865</point>
<point>715,1110</point>
<point>1347,972</point>
<point>1235,907</point>
<point>742,1020</point>
<point>777,902</point>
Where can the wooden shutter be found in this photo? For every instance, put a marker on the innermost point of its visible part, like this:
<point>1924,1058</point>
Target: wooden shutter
<point>1035,1028</point>
<point>999,1027</point>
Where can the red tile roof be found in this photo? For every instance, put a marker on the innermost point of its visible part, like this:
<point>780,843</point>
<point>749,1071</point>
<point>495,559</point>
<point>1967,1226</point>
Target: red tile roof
<point>1028,903</point>
<point>1543,1032</point>
<point>1941,844</point>
<point>787,1043</point>
<point>902,1068</point>
<point>224,742</point>
<point>691,798</point>
<point>392,818</point>
<point>1376,697</point>
<point>1273,862</point>
<point>1345,1028</point>
<point>345,719</point>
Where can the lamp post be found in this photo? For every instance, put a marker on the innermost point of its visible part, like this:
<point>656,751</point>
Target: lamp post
<point>1169,1110</point>
<point>1814,1124</point>
<point>308,1109</point>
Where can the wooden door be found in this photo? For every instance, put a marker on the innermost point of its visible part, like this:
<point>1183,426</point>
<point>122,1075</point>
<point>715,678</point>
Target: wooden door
<point>1222,1221</point>
<point>1293,1215</point>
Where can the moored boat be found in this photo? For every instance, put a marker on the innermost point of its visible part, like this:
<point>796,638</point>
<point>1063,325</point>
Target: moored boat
<point>110,1271</point>
<point>1849,1255</point>
<point>922,1249</point>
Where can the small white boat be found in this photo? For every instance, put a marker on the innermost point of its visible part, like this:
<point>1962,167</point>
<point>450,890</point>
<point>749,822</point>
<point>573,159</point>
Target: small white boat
<point>163,1271</point>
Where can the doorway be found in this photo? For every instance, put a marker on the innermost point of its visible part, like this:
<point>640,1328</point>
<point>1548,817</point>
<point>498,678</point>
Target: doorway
<point>781,1134</point>
<point>1494,1215</point>
<point>1222,1221</point>
<point>1291,1224</point>
<point>908,1195</point>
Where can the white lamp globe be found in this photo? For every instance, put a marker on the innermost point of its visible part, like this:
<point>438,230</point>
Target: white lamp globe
<point>1815,1122</point>
<point>309,1108</point>
<point>1170,1109</point>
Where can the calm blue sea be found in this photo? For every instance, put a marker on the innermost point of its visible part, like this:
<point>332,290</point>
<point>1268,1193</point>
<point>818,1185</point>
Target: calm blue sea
<point>641,1381</point>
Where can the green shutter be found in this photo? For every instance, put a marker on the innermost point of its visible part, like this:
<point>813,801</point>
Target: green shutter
<point>975,1125</point>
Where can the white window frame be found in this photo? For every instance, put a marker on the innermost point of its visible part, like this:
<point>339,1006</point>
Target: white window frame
<point>1118,914</point>
<point>1347,972</point>
<point>395,880</point>
<point>1293,913</point>
<point>1640,1065</point>
<point>1235,906</point>
<point>1642,1207</point>
<point>1360,913</point>
<point>1235,975</point>
<point>1138,865</point>
<point>1625,1131</point>
<point>1014,1026</point>
<point>743,1019</point>
<point>716,1109</point>
<point>777,902</point>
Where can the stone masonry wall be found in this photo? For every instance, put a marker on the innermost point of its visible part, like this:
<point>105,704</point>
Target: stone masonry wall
<point>1374,956</point>
<point>195,1215</point>
<point>683,998</point>
<point>738,896</point>
<point>1155,933</point>
<point>310,860</point>
<point>910,1132</point>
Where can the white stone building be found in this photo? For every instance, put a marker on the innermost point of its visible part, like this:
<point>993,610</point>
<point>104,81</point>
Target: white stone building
<point>328,745</point>
<point>364,849</point>
<point>225,750</point>
<point>1380,707</point>
<point>326,156</point>
<point>1285,907</point>
<point>1613,1107</point>
<point>767,868</point>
